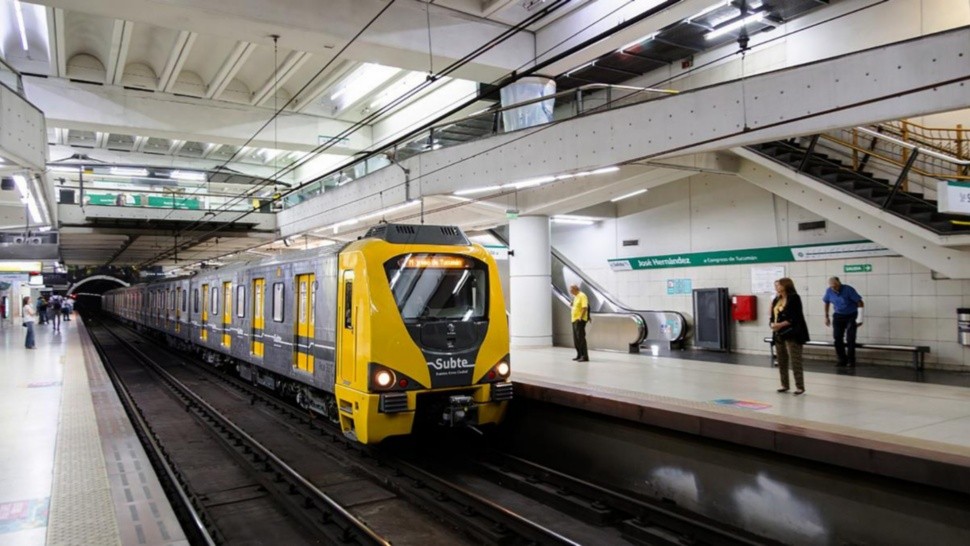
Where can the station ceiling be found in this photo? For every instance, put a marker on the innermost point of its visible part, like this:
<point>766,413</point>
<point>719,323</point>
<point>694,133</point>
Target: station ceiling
<point>222,59</point>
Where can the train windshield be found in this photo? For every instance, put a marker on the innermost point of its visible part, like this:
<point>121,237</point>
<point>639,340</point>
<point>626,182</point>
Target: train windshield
<point>439,286</point>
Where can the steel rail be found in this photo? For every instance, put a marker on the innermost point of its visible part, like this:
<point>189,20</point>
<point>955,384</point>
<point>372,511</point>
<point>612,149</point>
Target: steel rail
<point>356,526</point>
<point>150,441</point>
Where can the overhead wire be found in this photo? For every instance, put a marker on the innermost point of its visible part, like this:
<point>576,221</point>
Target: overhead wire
<point>564,40</point>
<point>493,42</point>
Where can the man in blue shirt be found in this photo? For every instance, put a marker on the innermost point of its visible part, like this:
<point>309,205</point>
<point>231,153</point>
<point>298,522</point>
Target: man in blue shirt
<point>846,319</point>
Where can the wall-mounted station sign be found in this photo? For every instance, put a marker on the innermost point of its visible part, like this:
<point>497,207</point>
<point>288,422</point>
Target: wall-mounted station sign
<point>830,251</point>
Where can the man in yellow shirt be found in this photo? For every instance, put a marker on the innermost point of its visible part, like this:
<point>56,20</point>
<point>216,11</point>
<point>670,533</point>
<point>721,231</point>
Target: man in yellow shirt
<point>580,316</point>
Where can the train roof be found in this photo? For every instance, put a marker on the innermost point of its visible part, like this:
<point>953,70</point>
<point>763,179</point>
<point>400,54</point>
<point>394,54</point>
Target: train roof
<point>402,234</point>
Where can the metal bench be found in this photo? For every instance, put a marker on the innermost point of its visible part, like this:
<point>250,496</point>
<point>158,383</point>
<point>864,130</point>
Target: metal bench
<point>919,351</point>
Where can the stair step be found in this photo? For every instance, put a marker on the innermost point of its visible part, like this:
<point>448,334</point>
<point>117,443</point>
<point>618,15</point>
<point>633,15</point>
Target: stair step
<point>872,194</point>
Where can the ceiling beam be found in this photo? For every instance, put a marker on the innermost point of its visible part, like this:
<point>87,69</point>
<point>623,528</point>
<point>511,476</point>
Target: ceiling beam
<point>230,67</point>
<point>285,71</point>
<point>139,145</point>
<point>55,39</point>
<point>491,7</point>
<point>118,56</point>
<point>176,147</point>
<point>176,59</point>
<point>100,139</point>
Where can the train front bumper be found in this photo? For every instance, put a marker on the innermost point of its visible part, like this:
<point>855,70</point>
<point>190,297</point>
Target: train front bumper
<point>371,417</point>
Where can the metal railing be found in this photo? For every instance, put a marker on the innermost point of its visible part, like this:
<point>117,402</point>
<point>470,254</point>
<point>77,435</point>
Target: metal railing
<point>867,145</point>
<point>585,99</point>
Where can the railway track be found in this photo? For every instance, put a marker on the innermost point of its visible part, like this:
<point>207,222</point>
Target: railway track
<point>495,499</point>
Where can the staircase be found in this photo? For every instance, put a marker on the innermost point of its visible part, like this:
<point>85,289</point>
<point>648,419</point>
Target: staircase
<point>862,184</point>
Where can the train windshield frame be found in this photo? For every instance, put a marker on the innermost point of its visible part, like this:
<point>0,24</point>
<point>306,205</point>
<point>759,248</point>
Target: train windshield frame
<point>436,287</point>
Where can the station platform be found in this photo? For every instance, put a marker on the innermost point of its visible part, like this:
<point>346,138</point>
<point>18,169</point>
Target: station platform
<point>72,470</point>
<point>913,431</point>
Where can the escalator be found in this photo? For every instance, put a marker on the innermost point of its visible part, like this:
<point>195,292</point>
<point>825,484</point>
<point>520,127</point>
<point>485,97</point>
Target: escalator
<point>613,326</point>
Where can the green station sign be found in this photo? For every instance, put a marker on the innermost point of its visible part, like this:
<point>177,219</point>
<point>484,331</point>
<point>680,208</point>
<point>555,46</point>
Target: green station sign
<point>857,268</point>
<point>827,251</point>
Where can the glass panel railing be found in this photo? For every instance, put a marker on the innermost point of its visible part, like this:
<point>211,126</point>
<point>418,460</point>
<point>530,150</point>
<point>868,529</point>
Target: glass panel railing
<point>196,200</point>
<point>10,77</point>
<point>582,100</point>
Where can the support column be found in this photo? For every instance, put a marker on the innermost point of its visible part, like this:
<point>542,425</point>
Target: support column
<point>530,281</point>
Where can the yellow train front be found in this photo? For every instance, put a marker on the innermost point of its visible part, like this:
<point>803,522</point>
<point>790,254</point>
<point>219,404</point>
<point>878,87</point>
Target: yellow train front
<point>422,333</point>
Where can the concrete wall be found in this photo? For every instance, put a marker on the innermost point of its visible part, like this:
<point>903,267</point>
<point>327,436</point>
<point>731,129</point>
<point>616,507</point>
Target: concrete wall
<point>905,304</point>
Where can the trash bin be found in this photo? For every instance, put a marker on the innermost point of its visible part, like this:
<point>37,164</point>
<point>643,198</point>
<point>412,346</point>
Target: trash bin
<point>963,326</point>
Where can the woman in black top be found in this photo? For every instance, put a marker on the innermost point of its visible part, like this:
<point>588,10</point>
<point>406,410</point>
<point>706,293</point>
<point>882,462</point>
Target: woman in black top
<point>790,332</point>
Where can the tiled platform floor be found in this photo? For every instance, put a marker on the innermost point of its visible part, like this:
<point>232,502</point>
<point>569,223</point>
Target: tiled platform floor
<point>57,486</point>
<point>911,431</point>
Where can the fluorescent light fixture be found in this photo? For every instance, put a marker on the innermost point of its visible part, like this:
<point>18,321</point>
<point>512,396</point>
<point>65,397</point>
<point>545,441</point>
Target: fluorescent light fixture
<point>19,10</point>
<point>389,210</point>
<point>757,17</point>
<point>531,183</point>
<point>605,170</point>
<point>707,10</point>
<point>28,197</point>
<point>629,195</point>
<point>64,169</point>
<point>646,38</point>
<point>361,82</point>
<point>17,266</point>
<point>128,171</point>
<point>473,191</point>
<point>580,67</point>
<point>565,176</point>
<point>188,175</point>
<point>574,220</point>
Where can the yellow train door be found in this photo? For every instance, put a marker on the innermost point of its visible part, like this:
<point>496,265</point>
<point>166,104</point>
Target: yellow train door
<point>259,288</point>
<point>346,323</point>
<point>226,314</point>
<point>204,331</point>
<point>305,298</point>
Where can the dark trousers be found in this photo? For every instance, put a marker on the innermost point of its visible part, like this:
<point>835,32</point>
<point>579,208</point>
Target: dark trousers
<point>844,329</point>
<point>790,353</point>
<point>579,339</point>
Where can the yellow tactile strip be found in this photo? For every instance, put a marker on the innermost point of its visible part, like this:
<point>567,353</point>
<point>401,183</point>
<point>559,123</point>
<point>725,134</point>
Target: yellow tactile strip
<point>81,508</point>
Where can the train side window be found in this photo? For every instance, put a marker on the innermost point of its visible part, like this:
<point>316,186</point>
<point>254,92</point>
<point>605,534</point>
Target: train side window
<point>349,300</point>
<point>195,301</point>
<point>278,300</point>
<point>183,302</point>
<point>171,298</point>
<point>215,300</point>
<point>240,301</point>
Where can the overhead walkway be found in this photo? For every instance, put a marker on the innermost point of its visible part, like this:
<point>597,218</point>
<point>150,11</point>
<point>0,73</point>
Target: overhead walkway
<point>906,79</point>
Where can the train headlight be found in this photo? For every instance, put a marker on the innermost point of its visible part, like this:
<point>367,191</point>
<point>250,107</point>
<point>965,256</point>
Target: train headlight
<point>498,372</point>
<point>383,378</point>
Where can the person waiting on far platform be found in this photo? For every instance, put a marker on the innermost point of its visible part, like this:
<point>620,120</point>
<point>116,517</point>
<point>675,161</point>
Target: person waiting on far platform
<point>580,316</point>
<point>790,333</point>
<point>846,319</point>
<point>29,315</point>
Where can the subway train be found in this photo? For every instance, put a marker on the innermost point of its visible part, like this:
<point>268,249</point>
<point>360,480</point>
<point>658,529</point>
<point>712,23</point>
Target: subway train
<point>405,326</point>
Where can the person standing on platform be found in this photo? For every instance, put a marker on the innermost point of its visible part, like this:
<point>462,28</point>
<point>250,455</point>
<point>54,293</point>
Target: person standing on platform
<point>66,308</point>
<point>42,310</point>
<point>55,314</point>
<point>846,319</point>
<point>29,315</point>
<point>790,333</point>
<point>580,316</point>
